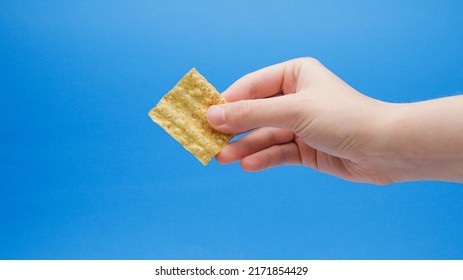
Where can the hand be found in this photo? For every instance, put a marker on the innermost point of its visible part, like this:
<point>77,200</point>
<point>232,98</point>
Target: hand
<point>303,114</point>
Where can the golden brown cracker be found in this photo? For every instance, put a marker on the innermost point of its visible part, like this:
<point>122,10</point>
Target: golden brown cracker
<point>182,114</point>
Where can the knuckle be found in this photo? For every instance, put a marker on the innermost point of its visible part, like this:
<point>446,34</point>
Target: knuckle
<point>249,84</point>
<point>312,60</point>
<point>242,110</point>
<point>308,60</point>
<point>271,135</point>
<point>281,154</point>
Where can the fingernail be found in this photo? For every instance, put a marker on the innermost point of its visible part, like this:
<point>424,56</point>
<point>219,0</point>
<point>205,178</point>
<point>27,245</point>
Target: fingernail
<point>216,115</point>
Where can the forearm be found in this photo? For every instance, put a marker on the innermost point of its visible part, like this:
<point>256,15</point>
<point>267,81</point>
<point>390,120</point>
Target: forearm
<point>424,140</point>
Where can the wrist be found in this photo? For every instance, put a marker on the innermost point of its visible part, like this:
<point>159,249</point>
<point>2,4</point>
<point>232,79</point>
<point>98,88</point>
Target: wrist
<point>418,141</point>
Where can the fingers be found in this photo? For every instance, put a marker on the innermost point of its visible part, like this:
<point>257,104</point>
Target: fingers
<point>269,147</point>
<point>248,107</point>
<point>237,117</point>
<point>266,82</point>
<point>254,142</point>
<point>286,154</point>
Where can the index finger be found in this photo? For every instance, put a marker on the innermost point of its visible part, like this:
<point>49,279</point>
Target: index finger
<point>266,82</point>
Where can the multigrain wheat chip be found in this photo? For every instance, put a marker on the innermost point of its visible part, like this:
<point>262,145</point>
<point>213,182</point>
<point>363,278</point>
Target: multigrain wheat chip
<point>182,114</point>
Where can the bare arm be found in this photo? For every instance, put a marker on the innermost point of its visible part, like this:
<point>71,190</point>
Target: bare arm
<point>305,115</point>
<point>424,140</point>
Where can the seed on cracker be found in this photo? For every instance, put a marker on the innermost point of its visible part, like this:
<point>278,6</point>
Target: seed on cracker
<point>182,114</point>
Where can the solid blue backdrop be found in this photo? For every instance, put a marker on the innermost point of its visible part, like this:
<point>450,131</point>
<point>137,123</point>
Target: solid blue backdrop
<point>85,173</point>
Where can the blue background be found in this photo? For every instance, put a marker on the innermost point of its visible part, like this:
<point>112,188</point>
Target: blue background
<point>85,174</point>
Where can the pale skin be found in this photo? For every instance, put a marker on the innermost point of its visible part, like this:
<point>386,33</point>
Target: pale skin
<point>300,113</point>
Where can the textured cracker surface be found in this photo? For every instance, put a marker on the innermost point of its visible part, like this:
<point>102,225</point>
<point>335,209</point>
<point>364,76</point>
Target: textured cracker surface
<point>182,114</point>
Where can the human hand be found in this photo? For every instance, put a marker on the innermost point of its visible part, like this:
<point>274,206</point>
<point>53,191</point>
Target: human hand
<point>312,118</point>
<point>303,114</point>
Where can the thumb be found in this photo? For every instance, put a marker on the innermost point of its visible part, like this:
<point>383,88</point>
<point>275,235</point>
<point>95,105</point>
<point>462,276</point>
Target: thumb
<point>241,116</point>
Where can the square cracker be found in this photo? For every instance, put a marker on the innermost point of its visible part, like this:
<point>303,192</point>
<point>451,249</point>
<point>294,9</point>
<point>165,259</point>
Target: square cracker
<point>182,114</point>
